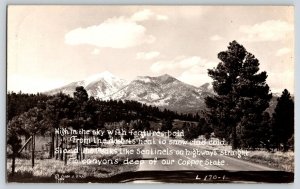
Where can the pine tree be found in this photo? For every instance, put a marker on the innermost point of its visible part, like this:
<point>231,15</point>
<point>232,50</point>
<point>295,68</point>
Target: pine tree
<point>57,108</point>
<point>283,120</point>
<point>13,140</point>
<point>81,118</point>
<point>167,125</point>
<point>241,94</point>
<point>191,131</point>
<point>203,128</point>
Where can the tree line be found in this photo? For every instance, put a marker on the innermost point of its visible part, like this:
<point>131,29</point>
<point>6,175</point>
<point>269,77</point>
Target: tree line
<point>29,115</point>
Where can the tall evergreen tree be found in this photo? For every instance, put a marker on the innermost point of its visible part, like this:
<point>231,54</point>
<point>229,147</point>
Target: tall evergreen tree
<point>167,125</point>
<point>58,107</point>
<point>81,104</point>
<point>283,120</point>
<point>241,94</point>
<point>13,140</point>
<point>82,118</point>
<point>203,128</point>
<point>191,131</point>
<point>34,123</point>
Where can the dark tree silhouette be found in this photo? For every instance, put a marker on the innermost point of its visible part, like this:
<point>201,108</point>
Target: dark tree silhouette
<point>167,125</point>
<point>191,131</point>
<point>13,140</point>
<point>59,107</point>
<point>241,94</point>
<point>203,128</point>
<point>81,119</point>
<point>283,120</point>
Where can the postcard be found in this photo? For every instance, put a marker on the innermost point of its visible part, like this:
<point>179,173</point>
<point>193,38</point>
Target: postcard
<point>150,94</point>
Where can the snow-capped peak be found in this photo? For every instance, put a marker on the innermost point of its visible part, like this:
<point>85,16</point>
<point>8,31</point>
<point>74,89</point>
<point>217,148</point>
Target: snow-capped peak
<point>145,79</point>
<point>103,84</point>
<point>107,76</point>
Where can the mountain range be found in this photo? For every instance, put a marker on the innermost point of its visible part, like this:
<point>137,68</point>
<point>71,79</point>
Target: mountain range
<point>163,91</point>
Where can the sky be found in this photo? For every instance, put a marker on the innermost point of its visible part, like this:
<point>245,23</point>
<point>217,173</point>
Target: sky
<point>51,46</point>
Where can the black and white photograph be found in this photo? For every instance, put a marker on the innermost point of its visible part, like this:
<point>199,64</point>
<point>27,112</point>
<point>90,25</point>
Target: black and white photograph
<point>150,94</point>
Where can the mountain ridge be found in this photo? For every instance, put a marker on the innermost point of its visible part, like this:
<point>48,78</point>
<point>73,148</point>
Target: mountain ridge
<point>164,91</point>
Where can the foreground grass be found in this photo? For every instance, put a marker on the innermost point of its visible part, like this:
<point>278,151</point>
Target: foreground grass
<point>45,170</point>
<point>283,161</point>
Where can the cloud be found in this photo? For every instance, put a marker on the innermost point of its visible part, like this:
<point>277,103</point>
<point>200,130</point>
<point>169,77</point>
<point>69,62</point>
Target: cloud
<point>215,38</point>
<point>197,74</point>
<point>95,51</point>
<point>193,78</point>
<point>160,66</point>
<point>271,30</point>
<point>147,14</point>
<point>161,17</point>
<point>147,55</point>
<point>163,66</point>
<point>283,51</point>
<point>193,70</point>
<point>278,81</point>
<point>142,15</point>
<point>178,63</point>
<point>114,32</point>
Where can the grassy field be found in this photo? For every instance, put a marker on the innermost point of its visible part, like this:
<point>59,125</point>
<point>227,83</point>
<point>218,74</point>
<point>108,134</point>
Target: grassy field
<point>283,161</point>
<point>45,170</point>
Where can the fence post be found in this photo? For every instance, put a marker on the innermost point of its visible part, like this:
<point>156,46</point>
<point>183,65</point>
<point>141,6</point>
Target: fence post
<point>33,149</point>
